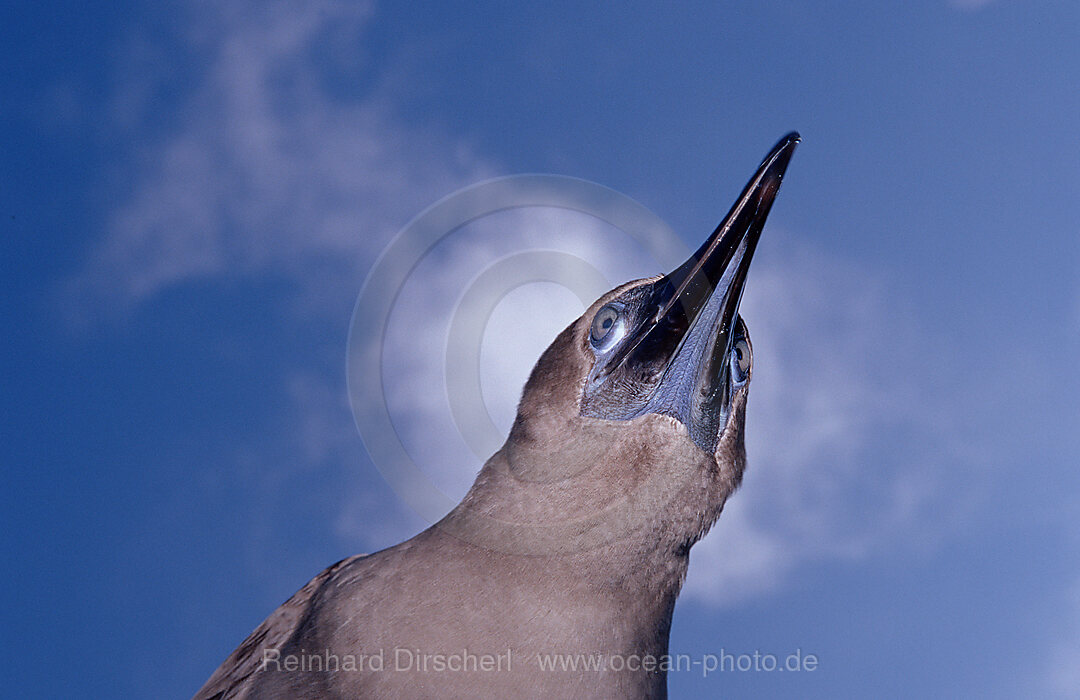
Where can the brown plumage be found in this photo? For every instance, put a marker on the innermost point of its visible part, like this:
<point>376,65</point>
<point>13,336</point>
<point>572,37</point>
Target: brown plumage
<point>575,537</point>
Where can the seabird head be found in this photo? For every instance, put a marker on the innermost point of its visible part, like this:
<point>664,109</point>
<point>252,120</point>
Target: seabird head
<point>676,345</point>
<point>632,420</point>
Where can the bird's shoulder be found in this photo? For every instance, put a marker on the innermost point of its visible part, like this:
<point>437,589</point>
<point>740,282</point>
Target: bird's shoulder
<point>233,678</point>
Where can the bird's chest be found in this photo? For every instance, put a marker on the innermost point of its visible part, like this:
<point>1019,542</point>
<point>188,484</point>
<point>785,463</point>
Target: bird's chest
<point>487,638</point>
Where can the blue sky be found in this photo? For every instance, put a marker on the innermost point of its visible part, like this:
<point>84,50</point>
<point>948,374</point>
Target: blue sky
<point>193,192</point>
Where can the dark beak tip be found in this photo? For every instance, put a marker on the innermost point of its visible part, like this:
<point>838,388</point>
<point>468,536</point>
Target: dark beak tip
<point>790,140</point>
<point>775,165</point>
<point>778,159</point>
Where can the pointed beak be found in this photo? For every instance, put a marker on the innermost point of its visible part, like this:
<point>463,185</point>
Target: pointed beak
<point>698,302</point>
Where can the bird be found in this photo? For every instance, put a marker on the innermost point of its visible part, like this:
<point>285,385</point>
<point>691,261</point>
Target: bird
<point>557,573</point>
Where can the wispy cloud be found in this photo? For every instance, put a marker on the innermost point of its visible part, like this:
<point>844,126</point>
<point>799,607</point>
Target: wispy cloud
<point>267,170</point>
<point>257,166</point>
<point>524,323</point>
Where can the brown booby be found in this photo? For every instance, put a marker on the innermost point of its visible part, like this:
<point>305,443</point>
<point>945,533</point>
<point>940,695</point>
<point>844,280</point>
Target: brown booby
<point>557,574</point>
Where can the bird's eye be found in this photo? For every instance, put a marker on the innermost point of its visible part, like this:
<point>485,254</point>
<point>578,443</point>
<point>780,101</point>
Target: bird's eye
<point>740,361</point>
<point>606,325</point>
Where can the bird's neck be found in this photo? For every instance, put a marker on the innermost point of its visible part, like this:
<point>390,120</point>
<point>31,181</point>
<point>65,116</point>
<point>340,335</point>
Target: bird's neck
<point>608,599</point>
<point>608,543</point>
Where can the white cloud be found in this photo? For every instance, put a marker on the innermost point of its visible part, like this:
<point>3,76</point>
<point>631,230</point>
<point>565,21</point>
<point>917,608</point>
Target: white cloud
<point>267,170</point>
<point>522,325</point>
<point>255,166</point>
